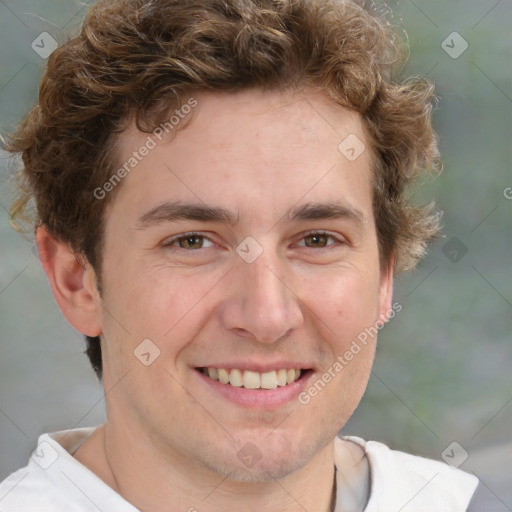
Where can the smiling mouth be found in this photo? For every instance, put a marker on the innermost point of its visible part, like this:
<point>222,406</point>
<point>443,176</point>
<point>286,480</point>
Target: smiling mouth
<point>248,379</point>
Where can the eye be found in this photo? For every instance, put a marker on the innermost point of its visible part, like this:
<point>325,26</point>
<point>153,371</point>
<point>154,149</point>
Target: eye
<point>189,241</point>
<point>195,241</point>
<point>318,239</point>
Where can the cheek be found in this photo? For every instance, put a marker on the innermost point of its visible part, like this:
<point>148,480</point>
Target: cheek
<point>349,310</point>
<point>347,304</point>
<point>167,305</point>
<point>334,394</point>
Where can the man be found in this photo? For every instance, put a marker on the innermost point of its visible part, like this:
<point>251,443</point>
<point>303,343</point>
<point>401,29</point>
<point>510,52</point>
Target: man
<point>221,210</point>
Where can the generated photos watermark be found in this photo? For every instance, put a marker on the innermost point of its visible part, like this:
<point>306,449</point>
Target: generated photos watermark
<point>151,142</point>
<point>344,359</point>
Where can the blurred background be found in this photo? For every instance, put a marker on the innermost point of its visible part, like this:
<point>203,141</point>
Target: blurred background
<point>442,382</point>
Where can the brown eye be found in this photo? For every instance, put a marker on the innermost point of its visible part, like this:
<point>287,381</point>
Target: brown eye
<point>317,240</point>
<point>320,240</point>
<point>190,241</point>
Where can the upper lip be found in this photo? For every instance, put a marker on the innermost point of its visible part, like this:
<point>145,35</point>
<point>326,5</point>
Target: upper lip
<point>257,366</point>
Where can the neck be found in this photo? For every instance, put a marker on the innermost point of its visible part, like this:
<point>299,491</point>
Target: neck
<point>135,469</point>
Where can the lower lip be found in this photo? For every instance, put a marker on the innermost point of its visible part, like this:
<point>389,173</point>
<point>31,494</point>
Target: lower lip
<point>257,398</point>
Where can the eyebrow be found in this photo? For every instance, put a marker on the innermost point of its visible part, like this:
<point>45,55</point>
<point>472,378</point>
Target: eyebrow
<point>322,211</point>
<point>173,211</point>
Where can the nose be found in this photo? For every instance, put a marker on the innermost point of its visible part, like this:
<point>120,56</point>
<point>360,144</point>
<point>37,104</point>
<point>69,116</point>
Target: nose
<point>261,304</point>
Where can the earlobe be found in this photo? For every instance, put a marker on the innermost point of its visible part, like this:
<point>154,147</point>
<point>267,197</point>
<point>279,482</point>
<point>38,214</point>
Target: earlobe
<point>73,283</point>
<point>386,291</point>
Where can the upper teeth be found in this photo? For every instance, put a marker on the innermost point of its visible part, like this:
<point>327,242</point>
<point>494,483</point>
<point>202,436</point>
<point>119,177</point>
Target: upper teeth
<point>253,380</point>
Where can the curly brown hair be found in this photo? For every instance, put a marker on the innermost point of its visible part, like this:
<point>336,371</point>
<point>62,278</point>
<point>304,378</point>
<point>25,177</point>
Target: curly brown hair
<point>137,59</point>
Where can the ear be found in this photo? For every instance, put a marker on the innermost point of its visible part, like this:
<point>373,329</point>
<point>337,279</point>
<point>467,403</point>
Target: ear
<point>73,283</point>
<point>386,290</point>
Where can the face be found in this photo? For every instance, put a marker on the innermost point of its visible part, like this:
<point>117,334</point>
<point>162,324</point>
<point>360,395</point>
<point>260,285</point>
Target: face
<point>245,250</point>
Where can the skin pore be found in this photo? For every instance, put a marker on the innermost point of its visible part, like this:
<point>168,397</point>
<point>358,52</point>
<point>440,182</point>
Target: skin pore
<point>264,165</point>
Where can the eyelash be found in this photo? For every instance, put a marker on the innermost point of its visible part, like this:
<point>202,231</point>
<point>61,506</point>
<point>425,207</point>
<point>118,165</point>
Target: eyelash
<point>169,243</point>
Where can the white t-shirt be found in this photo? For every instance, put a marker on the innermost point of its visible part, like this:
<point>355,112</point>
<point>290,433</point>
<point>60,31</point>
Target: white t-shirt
<point>54,481</point>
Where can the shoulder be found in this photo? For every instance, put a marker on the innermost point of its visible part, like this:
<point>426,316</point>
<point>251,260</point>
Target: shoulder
<point>400,481</point>
<point>28,489</point>
<point>54,480</point>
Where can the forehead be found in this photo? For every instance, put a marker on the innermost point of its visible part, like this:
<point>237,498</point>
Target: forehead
<point>250,148</point>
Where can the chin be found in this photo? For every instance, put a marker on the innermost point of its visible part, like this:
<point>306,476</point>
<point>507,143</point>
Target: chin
<point>264,459</point>
<point>261,472</point>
